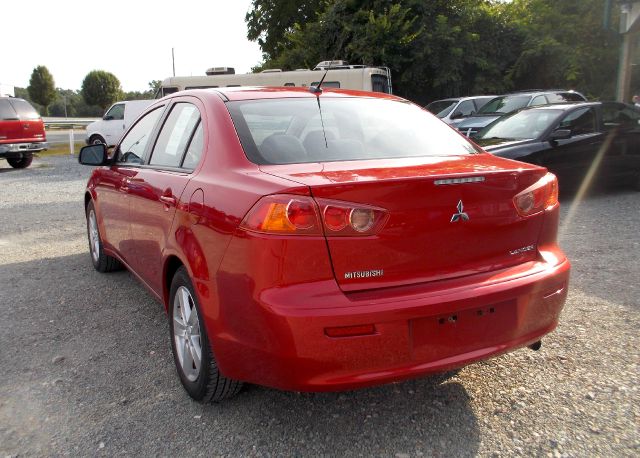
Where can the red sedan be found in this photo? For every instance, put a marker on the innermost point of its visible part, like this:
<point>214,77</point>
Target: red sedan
<point>324,240</point>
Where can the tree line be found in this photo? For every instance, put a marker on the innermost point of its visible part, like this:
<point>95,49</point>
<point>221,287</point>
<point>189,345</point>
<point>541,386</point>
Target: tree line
<point>442,48</point>
<point>99,90</point>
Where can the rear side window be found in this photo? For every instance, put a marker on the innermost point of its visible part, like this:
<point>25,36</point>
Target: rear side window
<point>6,110</point>
<point>380,83</point>
<point>194,151</point>
<point>618,114</point>
<point>561,97</point>
<point>539,100</point>
<point>175,135</point>
<point>290,131</point>
<point>24,109</point>
<point>334,84</point>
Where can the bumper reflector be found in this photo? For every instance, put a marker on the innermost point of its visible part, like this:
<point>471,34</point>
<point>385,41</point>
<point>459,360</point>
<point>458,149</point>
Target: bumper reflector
<point>351,331</point>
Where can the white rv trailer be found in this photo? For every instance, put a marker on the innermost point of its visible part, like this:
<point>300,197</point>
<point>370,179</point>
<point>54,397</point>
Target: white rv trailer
<point>341,75</point>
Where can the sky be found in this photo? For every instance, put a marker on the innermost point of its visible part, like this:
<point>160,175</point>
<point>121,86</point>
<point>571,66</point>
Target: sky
<point>131,39</point>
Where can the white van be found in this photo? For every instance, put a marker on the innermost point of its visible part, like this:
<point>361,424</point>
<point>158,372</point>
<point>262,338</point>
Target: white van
<point>115,121</point>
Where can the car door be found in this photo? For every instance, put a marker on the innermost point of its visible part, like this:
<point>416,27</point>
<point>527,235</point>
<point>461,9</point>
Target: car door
<point>622,123</point>
<point>158,187</point>
<point>113,183</point>
<point>114,123</point>
<point>572,158</point>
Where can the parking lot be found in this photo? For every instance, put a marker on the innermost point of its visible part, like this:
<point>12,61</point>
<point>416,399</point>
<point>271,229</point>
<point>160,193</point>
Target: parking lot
<point>87,367</point>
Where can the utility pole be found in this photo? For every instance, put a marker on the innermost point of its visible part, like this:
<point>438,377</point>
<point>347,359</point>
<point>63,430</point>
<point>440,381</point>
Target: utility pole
<point>629,28</point>
<point>173,61</point>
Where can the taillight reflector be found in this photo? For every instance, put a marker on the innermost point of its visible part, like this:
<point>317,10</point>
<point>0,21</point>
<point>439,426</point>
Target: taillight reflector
<point>351,331</point>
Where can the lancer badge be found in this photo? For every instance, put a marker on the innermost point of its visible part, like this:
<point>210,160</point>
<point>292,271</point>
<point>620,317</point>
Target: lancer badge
<point>461,215</point>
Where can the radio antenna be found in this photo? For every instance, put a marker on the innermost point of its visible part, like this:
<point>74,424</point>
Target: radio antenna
<point>317,89</point>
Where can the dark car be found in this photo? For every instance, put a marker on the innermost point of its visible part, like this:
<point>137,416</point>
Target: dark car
<point>505,104</point>
<point>599,140</point>
<point>21,132</point>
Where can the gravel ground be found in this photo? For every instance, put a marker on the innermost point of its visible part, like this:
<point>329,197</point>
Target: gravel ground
<point>86,367</point>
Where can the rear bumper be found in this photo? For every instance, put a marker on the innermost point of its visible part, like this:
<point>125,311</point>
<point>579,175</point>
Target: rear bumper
<point>19,149</point>
<point>283,341</point>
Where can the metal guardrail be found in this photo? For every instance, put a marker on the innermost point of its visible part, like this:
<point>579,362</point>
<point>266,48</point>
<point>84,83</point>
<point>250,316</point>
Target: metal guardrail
<point>67,123</point>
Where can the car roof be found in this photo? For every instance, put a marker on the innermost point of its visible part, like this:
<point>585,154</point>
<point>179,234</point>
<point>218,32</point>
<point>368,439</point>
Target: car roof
<point>260,92</point>
<point>564,106</point>
<point>462,99</point>
<point>541,92</point>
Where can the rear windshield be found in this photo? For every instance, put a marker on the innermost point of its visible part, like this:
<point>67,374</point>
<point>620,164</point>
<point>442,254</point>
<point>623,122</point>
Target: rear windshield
<point>6,110</point>
<point>507,104</point>
<point>291,131</point>
<point>24,109</point>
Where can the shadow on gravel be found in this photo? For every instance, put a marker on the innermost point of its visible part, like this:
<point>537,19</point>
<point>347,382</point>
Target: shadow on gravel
<point>600,237</point>
<point>90,353</point>
<point>429,415</point>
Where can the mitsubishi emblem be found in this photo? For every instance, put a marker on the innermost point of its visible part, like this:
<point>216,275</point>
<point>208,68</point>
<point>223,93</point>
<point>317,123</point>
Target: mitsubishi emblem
<point>461,215</point>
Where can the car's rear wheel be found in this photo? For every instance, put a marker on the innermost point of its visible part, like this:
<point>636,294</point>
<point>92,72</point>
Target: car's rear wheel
<point>97,140</point>
<point>20,162</point>
<point>192,353</point>
<point>101,261</point>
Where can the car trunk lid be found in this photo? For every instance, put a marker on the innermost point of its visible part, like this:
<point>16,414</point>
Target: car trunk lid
<point>448,217</point>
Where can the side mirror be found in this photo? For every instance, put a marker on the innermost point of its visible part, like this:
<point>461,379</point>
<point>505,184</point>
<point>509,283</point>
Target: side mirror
<point>93,155</point>
<point>560,134</point>
<point>456,115</point>
<point>107,118</point>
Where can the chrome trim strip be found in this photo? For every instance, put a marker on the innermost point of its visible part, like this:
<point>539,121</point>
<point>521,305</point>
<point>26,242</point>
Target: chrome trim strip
<point>459,180</point>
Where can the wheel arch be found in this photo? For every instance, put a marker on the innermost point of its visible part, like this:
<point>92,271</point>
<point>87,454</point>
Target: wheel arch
<point>171,266</point>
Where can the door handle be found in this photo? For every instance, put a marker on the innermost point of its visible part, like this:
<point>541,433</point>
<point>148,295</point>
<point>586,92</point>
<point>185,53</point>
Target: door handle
<point>168,200</point>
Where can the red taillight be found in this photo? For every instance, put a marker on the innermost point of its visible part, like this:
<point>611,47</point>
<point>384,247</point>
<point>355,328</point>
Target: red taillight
<point>283,214</point>
<point>301,215</point>
<point>350,219</point>
<point>537,197</point>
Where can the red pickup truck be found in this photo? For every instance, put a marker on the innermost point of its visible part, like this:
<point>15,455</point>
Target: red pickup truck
<point>21,132</point>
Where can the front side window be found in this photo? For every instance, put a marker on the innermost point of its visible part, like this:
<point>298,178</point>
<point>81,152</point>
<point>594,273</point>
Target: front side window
<point>175,135</point>
<point>580,122</point>
<point>132,147</point>
<point>297,130</point>
<point>115,112</point>
<point>442,108</point>
<point>466,108</point>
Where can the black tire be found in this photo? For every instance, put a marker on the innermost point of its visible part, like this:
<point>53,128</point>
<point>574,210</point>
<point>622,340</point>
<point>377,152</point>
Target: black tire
<point>210,385</point>
<point>101,261</point>
<point>20,162</point>
<point>96,140</point>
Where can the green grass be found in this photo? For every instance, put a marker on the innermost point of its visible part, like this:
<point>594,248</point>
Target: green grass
<point>61,149</point>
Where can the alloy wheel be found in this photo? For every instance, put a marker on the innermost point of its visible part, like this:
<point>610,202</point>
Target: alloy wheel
<point>186,333</point>
<point>94,236</point>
